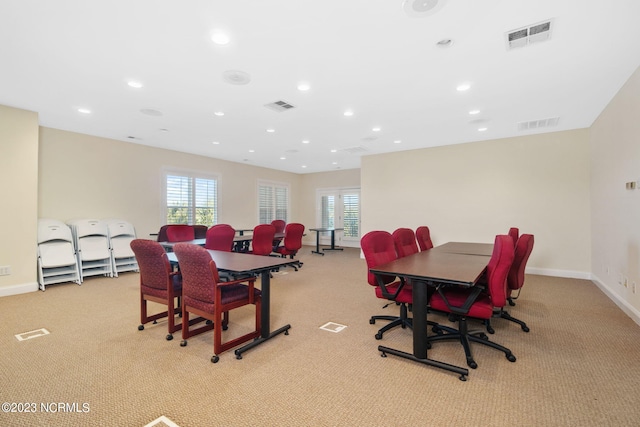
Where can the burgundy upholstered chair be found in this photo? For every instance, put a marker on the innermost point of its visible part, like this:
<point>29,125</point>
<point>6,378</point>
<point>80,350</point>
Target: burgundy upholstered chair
<point>473,302</point>
<point>262,240</point>
<point>423,236</point>
<point>204,295</point>
<point>157,283</point>
<point>514,233</point>
<point>378,248</point>
<point>404,240</point>
<point>162,234</point>
<point>200,231</point>
<point>180,233</point>
<point>292,242</point>
<point>280,226</point>
<point>515,278</point>
<point>220,237</point>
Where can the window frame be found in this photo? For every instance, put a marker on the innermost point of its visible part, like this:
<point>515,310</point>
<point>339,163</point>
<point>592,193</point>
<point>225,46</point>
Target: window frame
<point>274,185</point>
<point>192,175</point>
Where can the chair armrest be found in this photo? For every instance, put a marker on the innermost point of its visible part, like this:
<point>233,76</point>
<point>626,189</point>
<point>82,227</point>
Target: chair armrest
<point>471,298</point>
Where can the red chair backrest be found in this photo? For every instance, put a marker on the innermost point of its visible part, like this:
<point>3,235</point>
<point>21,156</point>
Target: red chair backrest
<point>279,224</point>
<point>162,234</point>
<point>404,240</point>
<point>514,233</point>
<point>515,278</point>
<point>220,237</point>
<point>180,233</point>
<point>199,272</point>
<point>378,248</point>
<point>200,231</point>
<point>423,236</point>
<point>152,262</point>
<point>498,269</point>
<point>262,240</point>
<point>293,236</point>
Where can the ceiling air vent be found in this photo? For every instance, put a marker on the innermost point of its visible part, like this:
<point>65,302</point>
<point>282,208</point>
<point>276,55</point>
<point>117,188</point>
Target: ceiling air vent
<point>538,124</point>
<point>531,34</point>
<point>279,106</point>
<point>355,150</point>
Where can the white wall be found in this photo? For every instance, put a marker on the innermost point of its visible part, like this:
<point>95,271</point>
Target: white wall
<point>471,192</point>
<point>18,216</point>
<point>615,211</point>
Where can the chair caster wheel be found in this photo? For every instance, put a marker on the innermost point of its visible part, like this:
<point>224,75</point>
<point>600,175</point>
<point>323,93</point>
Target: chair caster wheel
<point>511,358</point>
<point>169,337</point>
<point>214,359</point>
<point>208,322</point>
<point>141,327</point>
<point>372,321</point>
<point>378,336</point>
<point>472,364</point>
<point>491,330</point>
<point>183,343</point>
<point>225,327</point>
<point>525,328</point>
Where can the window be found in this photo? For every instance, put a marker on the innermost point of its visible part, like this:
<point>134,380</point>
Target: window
<point>340,208</point>
<point>273,202</point>
<point>191,199</point>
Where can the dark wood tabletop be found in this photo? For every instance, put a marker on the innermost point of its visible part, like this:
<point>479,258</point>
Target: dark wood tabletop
<point>468,248</point>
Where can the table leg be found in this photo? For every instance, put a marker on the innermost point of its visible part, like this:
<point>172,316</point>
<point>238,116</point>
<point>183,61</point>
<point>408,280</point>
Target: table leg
<point>333,243</point>
<point>420,340</point>
<point>317,251</point>
<point>265,327</point>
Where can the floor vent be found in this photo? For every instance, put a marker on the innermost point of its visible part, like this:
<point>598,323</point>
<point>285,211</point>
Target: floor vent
<point>531,34</point>
<point>333,327</point>
<point>538,124</point>
<point>279,106</point>
<point>32,334</point>
<point>161,422</point>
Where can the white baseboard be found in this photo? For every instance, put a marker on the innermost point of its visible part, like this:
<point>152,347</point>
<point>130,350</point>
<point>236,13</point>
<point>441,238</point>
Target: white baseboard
<point>629,310</point>
<point>18,289</point>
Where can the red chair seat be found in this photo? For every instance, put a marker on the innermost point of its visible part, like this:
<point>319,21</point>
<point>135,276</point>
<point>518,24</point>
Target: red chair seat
<point>482,307</point>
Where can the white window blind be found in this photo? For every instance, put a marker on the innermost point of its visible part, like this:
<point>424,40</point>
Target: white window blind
<point>191,199</point>
<point>351,214</point>
<point>273,202</point>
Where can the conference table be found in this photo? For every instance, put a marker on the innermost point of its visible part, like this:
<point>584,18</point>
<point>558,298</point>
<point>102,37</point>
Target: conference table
<point>434,267</point>
<point>240,243</point>
<point>467,248</point>
<point>332,231</point>
<point>241,264</point>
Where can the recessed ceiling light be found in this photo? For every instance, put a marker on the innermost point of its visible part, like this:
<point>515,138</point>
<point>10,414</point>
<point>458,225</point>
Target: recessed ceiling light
<point>134,84</point>
<point>397,141</point>
<point>348,113</point>
<point>462,87</point>
<point>84,111</point>
<point>303,87</point>
<point>252,151</point>
<point>215,142</point>
<point>305,141</point>
<point>283,158</point>
<point>474,112</point>
<point>334,151</point>
<point>219,113</point>
<point>481,129</point>
<point>334,163</point>
<point>271,130</point>
<point>304,166</point>
<point>376,129</point>
<point>421,8</point>
<point>220,38</point>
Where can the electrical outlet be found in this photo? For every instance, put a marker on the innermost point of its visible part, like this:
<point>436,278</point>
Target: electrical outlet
<point>625,282</point>
<point>633,287</point>
<point>5,270</point>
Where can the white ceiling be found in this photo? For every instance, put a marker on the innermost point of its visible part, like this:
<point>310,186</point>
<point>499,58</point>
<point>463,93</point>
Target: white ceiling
<point>368,56</point>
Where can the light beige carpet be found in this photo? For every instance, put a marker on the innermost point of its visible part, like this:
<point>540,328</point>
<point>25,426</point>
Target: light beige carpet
<point>577,367</point>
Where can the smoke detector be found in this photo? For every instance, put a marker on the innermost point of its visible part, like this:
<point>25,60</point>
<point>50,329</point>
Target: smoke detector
<point>236,77</point>
<point>420,8</point>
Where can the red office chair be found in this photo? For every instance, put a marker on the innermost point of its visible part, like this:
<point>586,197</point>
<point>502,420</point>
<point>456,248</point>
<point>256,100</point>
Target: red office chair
<point>157,283</point>
<point>473,302</point>
<point>292,242</point>
<point>180,233</point>
<point>404,240</point>
<point>280,226</point>
<point>378,248</point>
<point>423,236</point>
<point>162,234</point>
<point>514,233</point>
<point>515,278</point>
<point>200,231</point>
<point>204,295</point>
<point>262,240</point>
<point>220,237</point>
